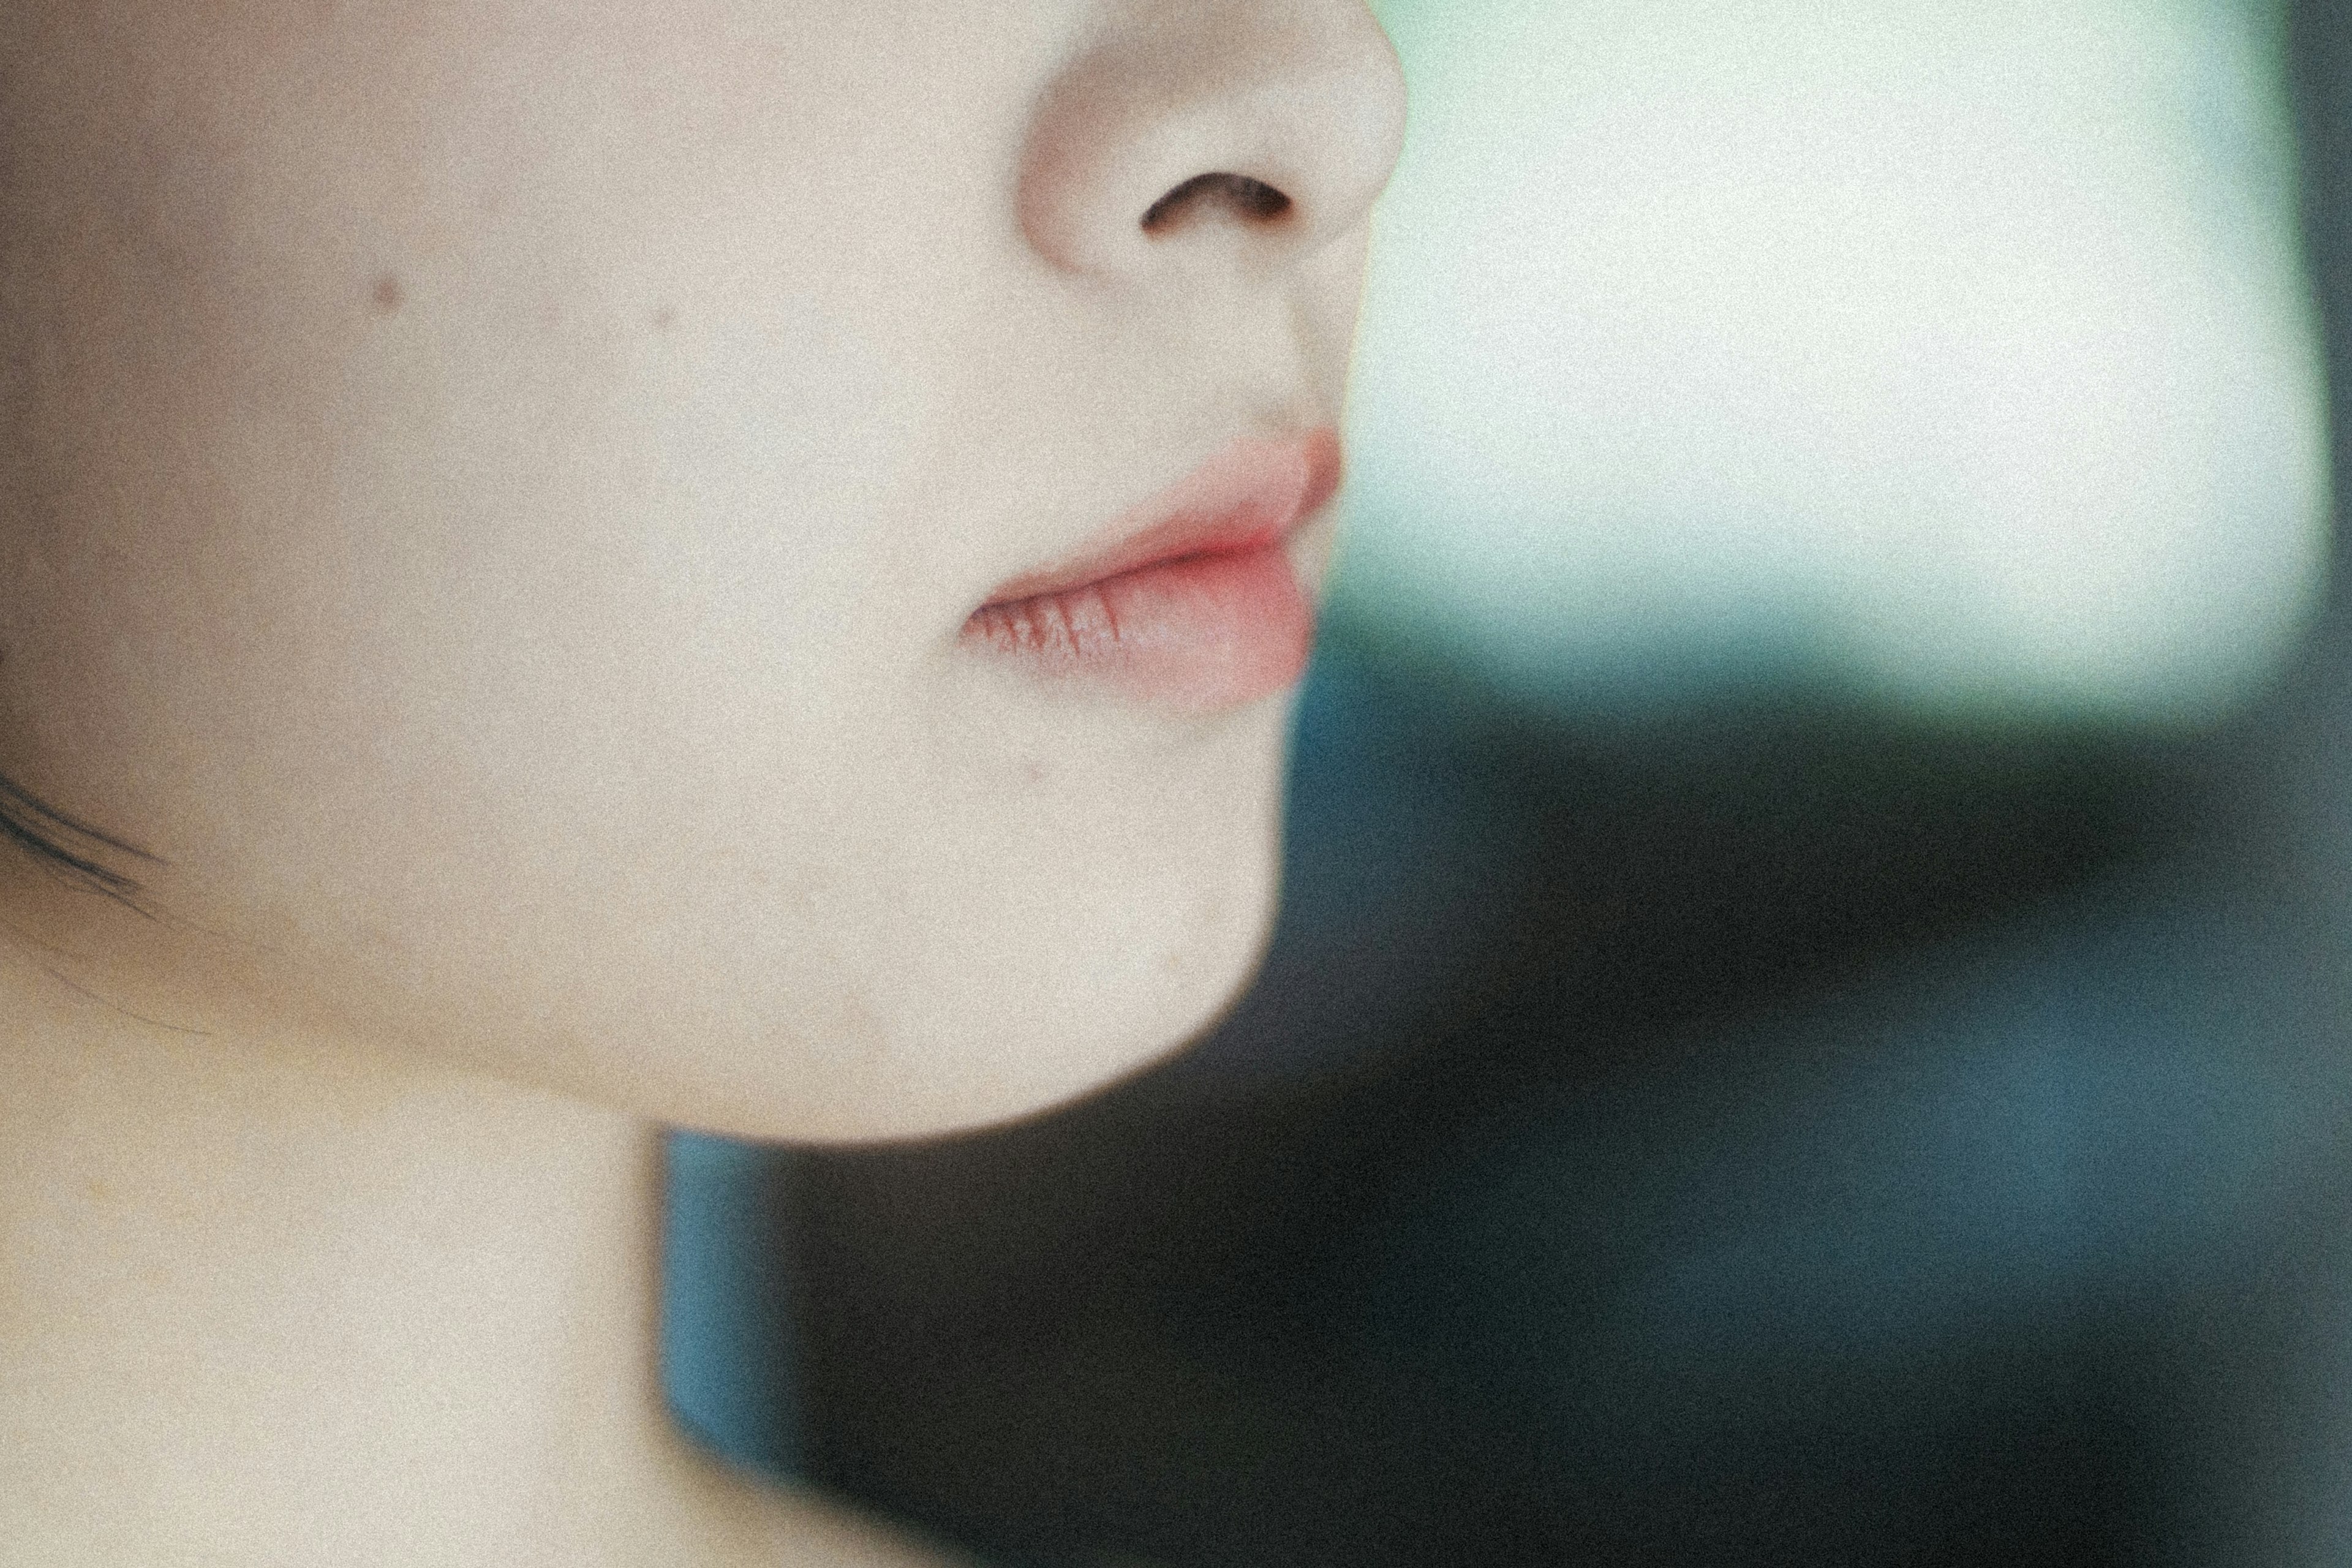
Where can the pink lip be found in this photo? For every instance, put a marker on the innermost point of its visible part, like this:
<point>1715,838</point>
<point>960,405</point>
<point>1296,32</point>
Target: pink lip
<point>1192,602</point>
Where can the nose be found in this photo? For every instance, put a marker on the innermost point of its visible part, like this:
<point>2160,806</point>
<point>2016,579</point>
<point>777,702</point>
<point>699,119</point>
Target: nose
<point>1240,133</point>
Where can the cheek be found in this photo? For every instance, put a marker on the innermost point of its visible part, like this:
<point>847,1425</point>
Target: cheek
<point>520,720</point>
<point>456,528</point>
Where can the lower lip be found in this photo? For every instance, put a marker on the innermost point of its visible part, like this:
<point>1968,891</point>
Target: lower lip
<point>1224,624</point>
<point>1199,634</point>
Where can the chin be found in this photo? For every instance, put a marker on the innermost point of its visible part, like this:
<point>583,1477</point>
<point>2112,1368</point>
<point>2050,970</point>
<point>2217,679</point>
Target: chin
<point>1002,1040</point>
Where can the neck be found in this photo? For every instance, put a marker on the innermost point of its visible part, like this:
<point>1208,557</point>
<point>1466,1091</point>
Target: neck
<point>255,1292</point>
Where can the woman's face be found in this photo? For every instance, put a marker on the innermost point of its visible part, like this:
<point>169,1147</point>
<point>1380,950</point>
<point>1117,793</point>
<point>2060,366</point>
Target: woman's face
<point>500,498</point>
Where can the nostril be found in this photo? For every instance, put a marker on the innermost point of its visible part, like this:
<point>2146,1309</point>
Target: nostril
<point>1252,201</point>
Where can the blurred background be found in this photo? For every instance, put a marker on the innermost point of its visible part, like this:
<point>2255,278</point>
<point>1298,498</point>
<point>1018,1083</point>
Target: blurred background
<point>1812,1020</point>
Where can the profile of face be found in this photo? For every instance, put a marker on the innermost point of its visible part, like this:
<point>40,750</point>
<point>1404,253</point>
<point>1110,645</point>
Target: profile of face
<point>592,540</point>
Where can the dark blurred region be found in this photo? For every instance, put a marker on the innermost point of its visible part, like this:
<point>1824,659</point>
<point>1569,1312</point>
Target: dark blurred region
<point>1220,1316</point>
<point>1776,1132</point>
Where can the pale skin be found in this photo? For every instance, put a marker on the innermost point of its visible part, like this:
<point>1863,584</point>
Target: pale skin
<point>489,494</point>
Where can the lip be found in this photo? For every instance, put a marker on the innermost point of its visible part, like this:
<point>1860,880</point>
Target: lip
<point>1189,601</point>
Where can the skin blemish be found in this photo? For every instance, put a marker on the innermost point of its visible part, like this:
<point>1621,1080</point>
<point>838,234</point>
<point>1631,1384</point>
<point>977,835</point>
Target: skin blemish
<point>388,295</point>
<point>664,319</point>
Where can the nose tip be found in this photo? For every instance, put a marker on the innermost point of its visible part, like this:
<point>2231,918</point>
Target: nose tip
<point>1235,130</point>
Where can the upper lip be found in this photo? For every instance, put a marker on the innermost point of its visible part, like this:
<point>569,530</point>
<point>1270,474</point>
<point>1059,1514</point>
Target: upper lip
<point>1250,493</point>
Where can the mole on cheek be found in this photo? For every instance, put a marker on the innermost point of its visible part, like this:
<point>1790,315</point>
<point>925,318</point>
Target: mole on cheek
<point>388,294</point>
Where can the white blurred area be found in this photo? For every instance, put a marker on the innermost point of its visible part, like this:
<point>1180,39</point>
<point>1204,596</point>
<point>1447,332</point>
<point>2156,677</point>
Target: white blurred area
<point>1956,351</point>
